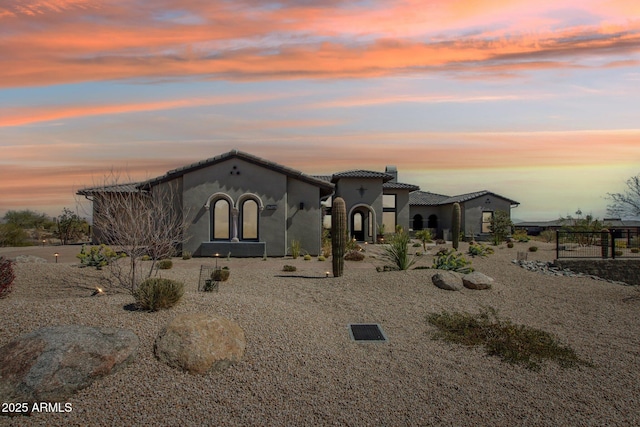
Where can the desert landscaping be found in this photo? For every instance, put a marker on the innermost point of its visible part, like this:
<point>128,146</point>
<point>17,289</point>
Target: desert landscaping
<point>301,367</point>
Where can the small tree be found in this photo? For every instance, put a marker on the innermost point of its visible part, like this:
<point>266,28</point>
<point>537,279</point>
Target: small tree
<point>137,222</point>
<point>626,204</point>
<point>425,237</point>
<point>500,226</point>
<point>70,227</point>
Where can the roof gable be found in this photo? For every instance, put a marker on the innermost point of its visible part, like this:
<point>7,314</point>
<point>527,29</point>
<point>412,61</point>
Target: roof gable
<point>326,187</point>
<point>361,174</point>
<point>425,198</point>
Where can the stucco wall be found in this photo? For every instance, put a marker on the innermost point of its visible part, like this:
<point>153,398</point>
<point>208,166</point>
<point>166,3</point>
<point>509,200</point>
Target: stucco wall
<point>304,224</point>
<point>236,177</point>
<point>472,212</point>
<point>402,207</point>
<point>349,190</point>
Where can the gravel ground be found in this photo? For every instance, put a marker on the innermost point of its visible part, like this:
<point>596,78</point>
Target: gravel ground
<point>301,367</point>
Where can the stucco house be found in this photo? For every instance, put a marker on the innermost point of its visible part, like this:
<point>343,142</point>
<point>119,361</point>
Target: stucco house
<point>243,205</point>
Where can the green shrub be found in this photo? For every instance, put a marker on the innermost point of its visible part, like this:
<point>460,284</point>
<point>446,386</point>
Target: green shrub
<point>478,249</point>
<point>441,242</point>
<point>221,274</point>
<point>156,293</point>
<point>289,268</point>
<point>397,251</point>
<point>416,245</point>
<point>96,256</point>
<point>618,253</point>
<point>354,255</point>
<point>635,250</point>
<point>450,259</point>
<point>520,236</point>
<point>7,276</point>
<point>165,264</point>
<point>321,258</point>
<point>186,255</point>
<point>512,343</point>
<point>510,244</point>
<point>533,249</point>
<point>307,257</point>
<point>145,258</point>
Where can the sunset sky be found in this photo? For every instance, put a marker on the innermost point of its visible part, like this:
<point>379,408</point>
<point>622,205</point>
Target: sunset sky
<point>538,101</point>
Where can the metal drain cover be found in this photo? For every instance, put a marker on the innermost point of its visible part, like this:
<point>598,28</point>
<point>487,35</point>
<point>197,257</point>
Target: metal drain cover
<point>370,332</point>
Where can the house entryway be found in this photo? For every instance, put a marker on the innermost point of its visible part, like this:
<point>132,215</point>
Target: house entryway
<point>362,220</point>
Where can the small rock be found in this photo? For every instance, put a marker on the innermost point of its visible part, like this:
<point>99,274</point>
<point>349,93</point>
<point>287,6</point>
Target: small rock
<point>448,280</point>
<point>477,280</point>
<point>198,343</point>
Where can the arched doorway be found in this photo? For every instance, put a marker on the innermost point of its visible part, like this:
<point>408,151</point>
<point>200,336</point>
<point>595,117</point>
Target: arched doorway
<point>417,222</point>
<point>358,225</point>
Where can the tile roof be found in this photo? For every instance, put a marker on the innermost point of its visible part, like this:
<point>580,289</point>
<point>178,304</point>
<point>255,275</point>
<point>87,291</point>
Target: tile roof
<point>326,187</point>
<point>132,187</point>
<point>400,186</point>
<point>359,173</point>
<point>425,198</point>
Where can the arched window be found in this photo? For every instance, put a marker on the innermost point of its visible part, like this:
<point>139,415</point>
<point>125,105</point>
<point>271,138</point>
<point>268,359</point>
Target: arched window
<point>417,222</point>
<point>249,229</point>
<point>220,220</point>
<point>432,222</point>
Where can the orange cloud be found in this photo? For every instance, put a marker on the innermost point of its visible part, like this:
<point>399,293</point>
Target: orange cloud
<point>221,41</point>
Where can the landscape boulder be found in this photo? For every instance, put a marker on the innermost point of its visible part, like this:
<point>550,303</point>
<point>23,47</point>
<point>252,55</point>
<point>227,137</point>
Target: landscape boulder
<point>448,280</point>
<point>198,343</point>
<point>52,363</point>
<point>477,280</point>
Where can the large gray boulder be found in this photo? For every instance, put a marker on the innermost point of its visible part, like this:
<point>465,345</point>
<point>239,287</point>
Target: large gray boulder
<point>477,280</point>
<point>448,280</point>
<point>52,363</point>
<point>198,343</point>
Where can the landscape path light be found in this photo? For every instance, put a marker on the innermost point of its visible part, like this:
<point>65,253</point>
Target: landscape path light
<point>56,255</point>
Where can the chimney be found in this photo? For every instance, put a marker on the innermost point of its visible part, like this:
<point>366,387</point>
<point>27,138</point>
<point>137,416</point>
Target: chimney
<point>392,170</point>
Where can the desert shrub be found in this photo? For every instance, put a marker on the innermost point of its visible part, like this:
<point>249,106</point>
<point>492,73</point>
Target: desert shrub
<point>354,255</point>
<point>416,245</point>
<point>307,257</point>
<point>326,242</point>
<point>513,343</point>
<point>441,242</point>
<point>96,256</point>
<point>295,249</point>
<point>397,251</point>
<point>424,236</point>
<point>165,264</point>
<point>289,268</point>
<point>186,255</point>
<point>510,244</point>
<point>321,258</point>
<point>221,274</point>
<point>635,250</point>
<point>156,293</point>
<point>478,249</point>
<point>520,236</point>
<point>352,245</point>
<point>145,258</point>
<point>450,259</point>
<point>548,236</point>
<point>618,253</point>
<point>533,249</point>
<point>7,276</point>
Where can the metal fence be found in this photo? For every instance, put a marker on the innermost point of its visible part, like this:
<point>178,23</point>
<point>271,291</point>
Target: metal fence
<point>609,244</point>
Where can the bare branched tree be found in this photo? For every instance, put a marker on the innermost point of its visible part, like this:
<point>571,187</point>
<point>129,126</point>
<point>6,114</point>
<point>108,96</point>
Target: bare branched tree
<point>626,204</point>
<point>136,222</point>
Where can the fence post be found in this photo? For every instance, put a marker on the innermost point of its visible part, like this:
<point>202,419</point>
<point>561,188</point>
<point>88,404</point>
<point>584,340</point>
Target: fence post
<point>557,244</point>
<point>604,243</point>
<point>613,244</point>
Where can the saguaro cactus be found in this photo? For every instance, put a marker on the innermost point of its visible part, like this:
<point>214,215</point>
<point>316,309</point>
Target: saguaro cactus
<point>455,225</point>
<point>338,234</point>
